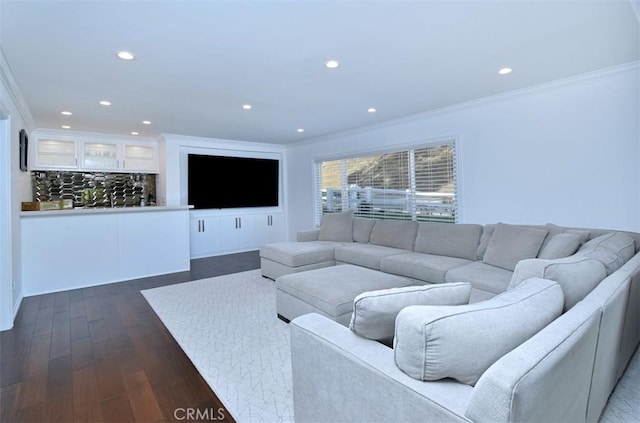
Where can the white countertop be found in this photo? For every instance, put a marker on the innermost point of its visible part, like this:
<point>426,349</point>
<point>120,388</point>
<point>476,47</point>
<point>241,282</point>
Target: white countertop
<point>101,210</point>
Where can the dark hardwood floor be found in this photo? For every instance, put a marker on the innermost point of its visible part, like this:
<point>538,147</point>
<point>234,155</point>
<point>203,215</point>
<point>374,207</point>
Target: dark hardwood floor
<point>101,354</point>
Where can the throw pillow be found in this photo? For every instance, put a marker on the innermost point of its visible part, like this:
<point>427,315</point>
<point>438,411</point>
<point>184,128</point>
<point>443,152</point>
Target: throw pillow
<point>510,244</point>
<point>577,275</point>
<point>374,312</point>
<point>337,227</point>
<point>461,342</point>
<point>562,245</point>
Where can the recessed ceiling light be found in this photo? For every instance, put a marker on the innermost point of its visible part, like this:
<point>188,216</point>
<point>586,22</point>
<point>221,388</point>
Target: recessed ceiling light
<point>105,103</point>
<point>65,127</point>
<point>505,71</point>
<point>66,113</point>
<point>372,110</point>
<point>125,55</point>
<point>300,130</point>
<point>331,64</point>
<point>247,106</point>
<point>134,133</point>
<point>146,122</point>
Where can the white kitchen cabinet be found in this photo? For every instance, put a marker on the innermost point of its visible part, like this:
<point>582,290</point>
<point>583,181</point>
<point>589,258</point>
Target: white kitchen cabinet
<point>77,152</point>
<point>222,232</point>
<point>54,154</point>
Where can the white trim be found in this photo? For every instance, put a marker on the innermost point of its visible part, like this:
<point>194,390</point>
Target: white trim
<point>6,230</point>
<point>7,79</point>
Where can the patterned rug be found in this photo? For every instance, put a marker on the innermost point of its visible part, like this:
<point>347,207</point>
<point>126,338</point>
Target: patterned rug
<point>228,328</point>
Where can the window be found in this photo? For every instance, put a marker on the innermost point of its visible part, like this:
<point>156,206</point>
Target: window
<point>416,184</point>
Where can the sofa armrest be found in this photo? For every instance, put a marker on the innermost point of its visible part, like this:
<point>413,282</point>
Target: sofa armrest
<point>339,376</point>
<point>310,235</point>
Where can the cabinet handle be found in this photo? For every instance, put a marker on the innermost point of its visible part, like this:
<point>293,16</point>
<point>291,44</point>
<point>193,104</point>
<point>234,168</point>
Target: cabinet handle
<point>123,165</point>
<point>240,222</point>
<point>199,225</point>
<point>203,228</point>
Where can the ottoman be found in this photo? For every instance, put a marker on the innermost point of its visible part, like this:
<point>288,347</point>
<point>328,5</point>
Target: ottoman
<point>282,258</point>
<point>329,291</point>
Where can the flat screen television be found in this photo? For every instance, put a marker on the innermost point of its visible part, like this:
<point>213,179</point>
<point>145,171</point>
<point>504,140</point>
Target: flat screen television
<point>222,182</point>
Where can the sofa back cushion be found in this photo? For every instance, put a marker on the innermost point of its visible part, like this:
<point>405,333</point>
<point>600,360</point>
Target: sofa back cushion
<point>337,227</point>
<point>362,229</point>
<point>512,243</point>
<point>461,342</point>
<point>613,250</point>
<point>487,233</point>
<point>374,312</point>
<point>577,275</point>
<point>394,233</point>
<point>446,239</point>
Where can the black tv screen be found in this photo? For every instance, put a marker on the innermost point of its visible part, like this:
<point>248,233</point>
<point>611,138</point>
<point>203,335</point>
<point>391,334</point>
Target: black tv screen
<point>221,182</point>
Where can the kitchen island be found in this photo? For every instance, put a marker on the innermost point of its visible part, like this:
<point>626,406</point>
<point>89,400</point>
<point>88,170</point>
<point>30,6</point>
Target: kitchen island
<point>78,248</point>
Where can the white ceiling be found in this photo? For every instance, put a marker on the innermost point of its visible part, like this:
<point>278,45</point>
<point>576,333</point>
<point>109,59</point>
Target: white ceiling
<point>197,62</point>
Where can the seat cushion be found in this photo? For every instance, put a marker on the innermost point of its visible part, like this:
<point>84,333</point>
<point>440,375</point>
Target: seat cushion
<point>367,255</point>
<point>332,289</point>
<point>294,254</point>
<point>425,267</point>
<point>482,276</point>
<point>461,342</point>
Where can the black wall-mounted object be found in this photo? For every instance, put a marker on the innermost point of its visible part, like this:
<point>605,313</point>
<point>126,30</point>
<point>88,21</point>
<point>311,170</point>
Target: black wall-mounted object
<point>221,182</point>
<point>24,147</point>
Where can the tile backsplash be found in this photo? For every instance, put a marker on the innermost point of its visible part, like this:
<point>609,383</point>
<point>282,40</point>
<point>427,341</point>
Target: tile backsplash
<point>94,189</point>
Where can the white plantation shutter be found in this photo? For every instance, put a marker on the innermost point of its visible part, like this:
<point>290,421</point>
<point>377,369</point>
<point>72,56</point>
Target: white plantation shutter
<point>415,184</point>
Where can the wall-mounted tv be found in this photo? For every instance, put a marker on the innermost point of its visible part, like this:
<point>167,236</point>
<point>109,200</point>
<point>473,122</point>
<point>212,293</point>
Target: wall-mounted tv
<point>222,182</point>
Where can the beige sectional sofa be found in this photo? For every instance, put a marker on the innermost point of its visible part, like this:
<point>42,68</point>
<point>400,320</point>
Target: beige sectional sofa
<point>552,322</point>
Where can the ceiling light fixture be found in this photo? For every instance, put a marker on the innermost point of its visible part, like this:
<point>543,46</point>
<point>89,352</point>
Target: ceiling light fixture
<point>105,103</point>
<point>372,110</point>
<point>300,130</point>
<point>65,127</point>
<point>331,64</point>
<point>66,113</point>
<point>146,122</point>
<point>134,133</point>
<point>125,55</point>
<point>247,106</point>
<point>505,71</point>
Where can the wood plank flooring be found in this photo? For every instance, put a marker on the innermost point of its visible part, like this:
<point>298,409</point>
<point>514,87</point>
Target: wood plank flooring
<point>101,354</point>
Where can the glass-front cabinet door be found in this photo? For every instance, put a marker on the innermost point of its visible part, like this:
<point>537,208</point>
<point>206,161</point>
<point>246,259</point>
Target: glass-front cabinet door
<point>56,154</point>
<point>139,158</point>
<point>100,156</point>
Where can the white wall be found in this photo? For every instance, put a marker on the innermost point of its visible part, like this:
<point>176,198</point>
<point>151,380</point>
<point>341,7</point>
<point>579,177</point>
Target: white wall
<point>565,153</point>
<point>16,116</point>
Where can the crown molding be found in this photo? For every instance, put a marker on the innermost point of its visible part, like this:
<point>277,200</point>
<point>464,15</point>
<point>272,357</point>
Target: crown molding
<point>476,102</point>
<point>9,82</point>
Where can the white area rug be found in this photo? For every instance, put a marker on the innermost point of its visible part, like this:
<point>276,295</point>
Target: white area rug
<point>228,327</point>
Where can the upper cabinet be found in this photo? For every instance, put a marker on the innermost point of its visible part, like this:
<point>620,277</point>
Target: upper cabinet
<point>55,154</point>
<point>85,154</point>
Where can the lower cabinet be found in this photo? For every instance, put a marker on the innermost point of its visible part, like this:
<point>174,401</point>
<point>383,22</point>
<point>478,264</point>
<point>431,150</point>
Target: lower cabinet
<point>214,233</point>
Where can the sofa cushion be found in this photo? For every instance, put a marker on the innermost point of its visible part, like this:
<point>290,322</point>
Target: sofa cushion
<point>337,227</point>
<point>482,276</point>
<point>511,243</point>
<point>487,233</point>
<point>613,250</point>
<point>425,267</point>
<point>446,239</point>
<point>366,255</point>
<point>374,312</point>
<point>394,233</point>
<point>294,254</point>
<point>576,275</point>
<point>362,229</point>
<point>461,342</point>
<point>562,245</point>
